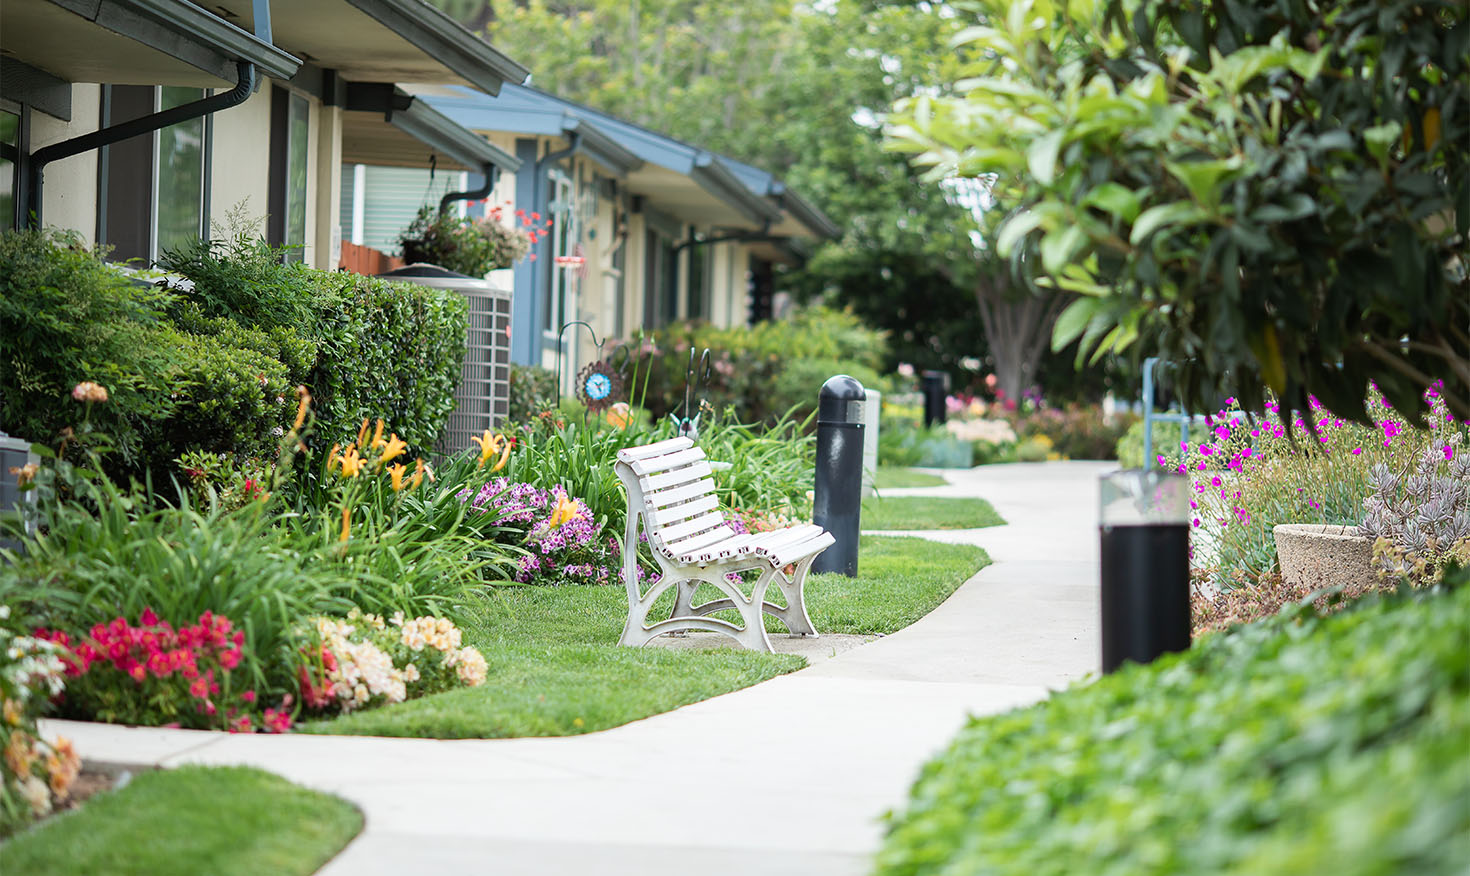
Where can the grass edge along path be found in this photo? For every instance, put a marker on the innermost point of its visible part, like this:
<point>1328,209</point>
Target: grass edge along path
<point>181,822</point>
<point>555,668</point>
<point>1296,744</point>
<point>926,512</point>
<point>893,477</point>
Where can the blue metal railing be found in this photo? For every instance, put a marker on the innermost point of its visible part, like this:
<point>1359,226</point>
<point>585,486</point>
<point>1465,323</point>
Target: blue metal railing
<point>1183,418</point>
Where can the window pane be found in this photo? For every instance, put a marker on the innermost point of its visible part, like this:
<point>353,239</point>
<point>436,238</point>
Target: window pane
<point>180,173</point>
<point>298,126</point>
<point>126,224</point>
<point>9,130</point>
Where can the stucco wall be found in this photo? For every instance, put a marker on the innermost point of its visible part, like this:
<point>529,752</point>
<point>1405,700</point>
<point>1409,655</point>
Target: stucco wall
<point>69,188</point>
<point>240,169</point>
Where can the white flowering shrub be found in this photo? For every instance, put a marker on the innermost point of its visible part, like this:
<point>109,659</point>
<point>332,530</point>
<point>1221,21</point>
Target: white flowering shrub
<point>366,661</point>
<point>34,774</point>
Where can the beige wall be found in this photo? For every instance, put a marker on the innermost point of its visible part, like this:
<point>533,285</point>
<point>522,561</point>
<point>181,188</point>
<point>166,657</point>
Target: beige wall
<point>239,173</point>
<point>69,187</point>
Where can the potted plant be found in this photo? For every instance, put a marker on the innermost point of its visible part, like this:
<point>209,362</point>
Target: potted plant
<point>473,247</point>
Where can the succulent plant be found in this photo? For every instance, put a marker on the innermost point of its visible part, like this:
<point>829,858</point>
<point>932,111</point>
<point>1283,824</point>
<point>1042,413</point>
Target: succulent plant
<point>1420,517</point>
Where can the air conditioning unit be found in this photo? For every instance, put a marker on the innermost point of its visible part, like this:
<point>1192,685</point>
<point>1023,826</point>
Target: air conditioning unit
<point>14,454</point>
<point>482,399</point>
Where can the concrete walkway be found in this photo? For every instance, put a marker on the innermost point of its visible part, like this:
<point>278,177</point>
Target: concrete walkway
<point>791,776</point>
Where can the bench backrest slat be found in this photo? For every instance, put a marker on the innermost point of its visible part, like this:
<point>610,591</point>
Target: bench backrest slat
<point>681,493</point>
<point>656,464</point>
<point>678,476</point>
<point>674,513</point>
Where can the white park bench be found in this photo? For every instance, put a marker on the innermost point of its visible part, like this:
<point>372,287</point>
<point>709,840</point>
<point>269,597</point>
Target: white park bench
<point>671,493</point>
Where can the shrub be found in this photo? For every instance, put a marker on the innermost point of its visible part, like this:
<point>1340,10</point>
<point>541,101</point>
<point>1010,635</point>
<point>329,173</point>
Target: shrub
<point>66,318</point>
<point>154,674</point>
<point>532,390</point>
<point>1077,431</point>
<point>759,373</point>
<point>366,661</point>
<point>1166,440</point>
<point>34,774</point>
<point>1302,744</point>
<point>368,347</point>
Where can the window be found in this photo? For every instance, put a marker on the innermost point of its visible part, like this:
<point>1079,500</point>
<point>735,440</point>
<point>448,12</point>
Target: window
<point>561,292</point>
<point>700,268</point>
<point>153,188</point>
<point>9,155</point>
<point>661,280</point>
<point>290,128</point>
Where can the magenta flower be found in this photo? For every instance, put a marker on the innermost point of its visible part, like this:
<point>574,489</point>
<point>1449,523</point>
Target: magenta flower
<point>1449,453</point>
<point>1357,451</point>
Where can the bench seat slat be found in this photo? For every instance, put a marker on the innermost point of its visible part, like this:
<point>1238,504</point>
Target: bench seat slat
<point>681,493</point>
<point>667,461</point>
<point>674,513</point>
<point>676,477</point>
<point>700,540</point>
<point>802,549</point>
<point>658,448</point>
<point>686,528</point>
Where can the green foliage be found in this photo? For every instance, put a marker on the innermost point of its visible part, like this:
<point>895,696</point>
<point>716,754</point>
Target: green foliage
<point>893,478</point>
<point>759,373</point>
<point>367,347</point>
<point>1076,431</point>
<point>532,390</point>
<point>230,821</point>
<point>65,318</point>
<point>1166,438</point>
<point>1271,196</point>
<point>1300,744</point>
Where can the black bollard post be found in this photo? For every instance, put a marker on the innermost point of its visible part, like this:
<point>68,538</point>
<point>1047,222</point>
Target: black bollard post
<point>1144,528</point>
<point>838,499</point>
<point>935,386</point>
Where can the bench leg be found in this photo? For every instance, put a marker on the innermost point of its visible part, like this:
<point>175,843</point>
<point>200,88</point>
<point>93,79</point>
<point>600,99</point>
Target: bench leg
<point>798,622</point>
<point>637,632</point>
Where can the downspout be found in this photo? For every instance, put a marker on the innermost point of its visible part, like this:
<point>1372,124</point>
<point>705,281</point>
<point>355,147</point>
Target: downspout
<point>38,160</point>
<point>492,174</point>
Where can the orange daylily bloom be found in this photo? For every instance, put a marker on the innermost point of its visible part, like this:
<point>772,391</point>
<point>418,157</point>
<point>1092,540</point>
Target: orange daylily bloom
<point>395,473</point>
<point>332,459</point>
<point>565,510</point>
<point>362,433</point>
<point>393,448</point>
<point>346,524</point>
<point>489,446</point>
<point>351,462</point>
<point>377,435</point>
<point>301,407</point>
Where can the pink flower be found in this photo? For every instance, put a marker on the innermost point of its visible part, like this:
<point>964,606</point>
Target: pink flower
<point>248,696</point>
<point>1449,453</point>
<point>1357,451</point>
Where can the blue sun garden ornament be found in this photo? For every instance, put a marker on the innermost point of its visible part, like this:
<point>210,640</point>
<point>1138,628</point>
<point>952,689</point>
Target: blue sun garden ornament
<point>598,386</point>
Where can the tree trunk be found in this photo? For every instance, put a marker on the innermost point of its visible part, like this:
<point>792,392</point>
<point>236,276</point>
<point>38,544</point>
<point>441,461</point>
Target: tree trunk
<point>1018,329</point>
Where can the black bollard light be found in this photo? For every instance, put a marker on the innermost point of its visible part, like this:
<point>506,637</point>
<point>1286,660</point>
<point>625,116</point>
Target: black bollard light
<point>837,502</point>
<point>1144,528</point>
<point>935,387</point>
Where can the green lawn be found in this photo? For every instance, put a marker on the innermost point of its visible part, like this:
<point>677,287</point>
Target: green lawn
<point>922,512</point>
<point>556,668</point>
<point>892,477</point>
<point>215,820</point>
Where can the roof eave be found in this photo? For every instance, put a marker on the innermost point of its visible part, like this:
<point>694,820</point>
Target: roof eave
<point>443,38</point>
<point>714,177</point>
<point>598,146</point>
<point>429,126</point>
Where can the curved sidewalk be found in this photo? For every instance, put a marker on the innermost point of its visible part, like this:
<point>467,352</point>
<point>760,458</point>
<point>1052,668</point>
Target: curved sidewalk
<point>790,776</point>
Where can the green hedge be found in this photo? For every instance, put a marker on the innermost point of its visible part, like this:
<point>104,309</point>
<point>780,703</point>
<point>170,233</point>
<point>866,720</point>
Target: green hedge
<point>213,368</point>
<point>1295,745</point>
<point>377,349</point>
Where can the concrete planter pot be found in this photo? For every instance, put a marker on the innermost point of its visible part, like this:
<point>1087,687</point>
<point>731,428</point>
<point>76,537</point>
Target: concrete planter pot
<point>1315,555</point>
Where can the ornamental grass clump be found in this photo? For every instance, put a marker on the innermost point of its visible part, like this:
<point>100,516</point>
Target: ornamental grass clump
<point>35,775</point>
<point>1251,474</point>
<point>365,661</point>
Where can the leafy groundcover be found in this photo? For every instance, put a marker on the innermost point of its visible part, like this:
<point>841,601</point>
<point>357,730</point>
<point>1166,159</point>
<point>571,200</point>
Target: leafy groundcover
<point>1299,744</point>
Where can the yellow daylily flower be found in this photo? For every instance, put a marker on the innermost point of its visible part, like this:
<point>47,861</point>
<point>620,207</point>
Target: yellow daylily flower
<point>565,510</point>
<point>504,458</point>
<point>489,446</point>
<point>362,433</point>
<point>351,462</point>
<point>393,448</point>
<point>418,474</point>
<point>346,523</point>
<point>377,435</point>
<point>301,407</point>
<point>395,473</point>
<point>619,415</point>
<point>332,458</point>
